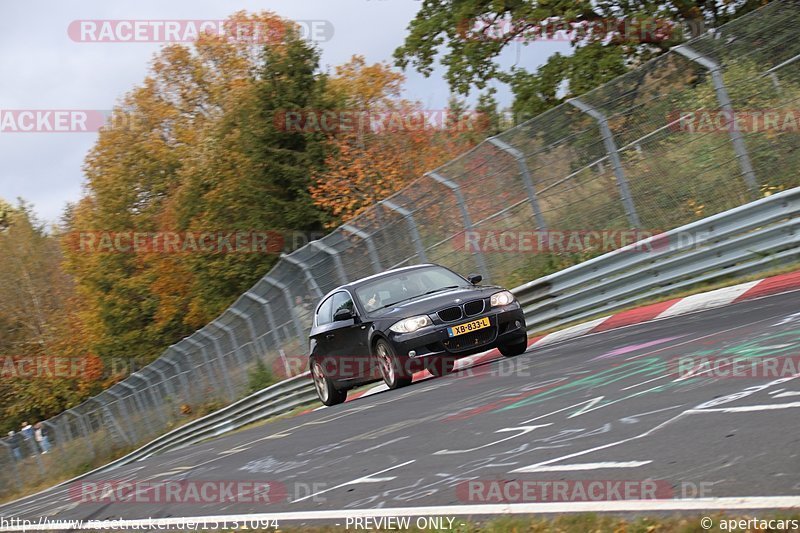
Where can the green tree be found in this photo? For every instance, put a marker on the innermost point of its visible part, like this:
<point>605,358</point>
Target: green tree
<point>620,35</point>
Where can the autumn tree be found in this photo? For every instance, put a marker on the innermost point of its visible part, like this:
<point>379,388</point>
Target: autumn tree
<point>393,142</point>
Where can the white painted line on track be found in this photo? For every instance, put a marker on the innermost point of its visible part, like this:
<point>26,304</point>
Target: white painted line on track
<point>365,479</point>
<point>746,408</point>
<point>582,466</point>
<point>678,504</point>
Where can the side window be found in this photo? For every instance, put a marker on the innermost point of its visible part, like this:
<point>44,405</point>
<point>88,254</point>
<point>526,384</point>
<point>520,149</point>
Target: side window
<point>325,314</point>
<point>342,300</point>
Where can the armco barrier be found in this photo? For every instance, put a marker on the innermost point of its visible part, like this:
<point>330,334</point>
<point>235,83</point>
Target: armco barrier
<point>739,241</point>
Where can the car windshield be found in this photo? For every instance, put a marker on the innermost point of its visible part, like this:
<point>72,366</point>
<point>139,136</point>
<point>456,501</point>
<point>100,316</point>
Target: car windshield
<point>407,285</point>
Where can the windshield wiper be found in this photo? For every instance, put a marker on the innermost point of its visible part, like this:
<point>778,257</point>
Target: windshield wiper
<point>418,295</point>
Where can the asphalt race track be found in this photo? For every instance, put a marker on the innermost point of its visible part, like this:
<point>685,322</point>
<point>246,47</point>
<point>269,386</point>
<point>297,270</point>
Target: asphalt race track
<point>606,407</point>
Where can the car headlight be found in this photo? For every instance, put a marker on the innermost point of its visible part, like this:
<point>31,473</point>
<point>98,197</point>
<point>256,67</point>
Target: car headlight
<point>501,298</point>
<point>410,325</point>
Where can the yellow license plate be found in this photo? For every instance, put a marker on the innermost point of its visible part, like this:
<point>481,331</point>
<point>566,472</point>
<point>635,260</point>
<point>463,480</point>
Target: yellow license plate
<point>468,327</point>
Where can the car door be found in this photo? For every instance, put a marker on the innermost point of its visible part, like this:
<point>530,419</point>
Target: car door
<point>348,338</point>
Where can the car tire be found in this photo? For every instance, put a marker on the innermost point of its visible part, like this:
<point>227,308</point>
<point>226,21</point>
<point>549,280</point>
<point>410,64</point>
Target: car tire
<point>512,350</point>
<point>393,370</point>
<point>327,393</point>
<point>440,366</point>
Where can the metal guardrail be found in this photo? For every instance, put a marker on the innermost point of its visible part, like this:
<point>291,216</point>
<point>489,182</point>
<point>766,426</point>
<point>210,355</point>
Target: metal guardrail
<point>739,241</point>
<point>274,400</point>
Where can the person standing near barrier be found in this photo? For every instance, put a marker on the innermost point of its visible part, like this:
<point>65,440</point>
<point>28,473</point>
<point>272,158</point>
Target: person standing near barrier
<point>27,438</point>
<point>40,435</point>
<point>13,440</point>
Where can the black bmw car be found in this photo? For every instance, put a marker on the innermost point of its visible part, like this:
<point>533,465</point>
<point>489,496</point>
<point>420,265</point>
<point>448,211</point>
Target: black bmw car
<point>392,324</point>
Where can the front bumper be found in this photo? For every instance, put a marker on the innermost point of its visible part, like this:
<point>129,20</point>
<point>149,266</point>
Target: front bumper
<point>507,326</point>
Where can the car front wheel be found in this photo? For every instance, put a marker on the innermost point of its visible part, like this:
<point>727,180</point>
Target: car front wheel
<point>328,394</point>
<point>394,372</point>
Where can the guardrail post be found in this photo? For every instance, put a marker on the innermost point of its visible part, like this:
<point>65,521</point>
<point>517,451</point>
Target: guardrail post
<point>613,156</point>
<point>725,104</point>
<point>526,179</point>
<point>289,305</point>
<point>412,227</point>
<point>312,283</point>
<point>367,238</point>
<point>220,359</point>
<point>123,409</point>
<point>273,326</point>
<point>321,246</point>
<point>462,206</point>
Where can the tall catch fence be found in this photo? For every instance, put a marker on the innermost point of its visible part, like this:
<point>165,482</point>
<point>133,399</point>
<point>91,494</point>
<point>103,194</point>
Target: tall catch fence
<point>649,150</point>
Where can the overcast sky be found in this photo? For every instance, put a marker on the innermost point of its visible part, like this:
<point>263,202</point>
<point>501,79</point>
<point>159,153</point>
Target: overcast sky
<point>44,69</point>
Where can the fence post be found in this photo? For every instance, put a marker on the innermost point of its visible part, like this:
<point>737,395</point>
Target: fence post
<point>725,104</point>
<point>206,359</point>
<point>312,283</point>
<point>187,388</point>
<point>163,377</point>
<point>257,345</point>
<point>276,337</point>
<point>139,402</point>
<point>124,410</point>
<point>289,304</point>
<point>321,246</point>
<point>467,220</point>
<point>220,359</point>
<point>234,342</point>
<point>412,227</point>
<point>13,462</point>
<point>83,429</point>
<point>155,396</point>
<point>526,179</point>
<point>613,156</point>
<point>367,238</point>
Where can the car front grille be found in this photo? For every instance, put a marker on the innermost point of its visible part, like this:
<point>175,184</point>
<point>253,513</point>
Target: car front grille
<point>473,339</point>
<point>473,308</point>
<point>450,314</point>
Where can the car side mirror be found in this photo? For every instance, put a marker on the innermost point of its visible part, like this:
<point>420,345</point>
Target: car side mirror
<point>474,278</point>
<point>342,314</point>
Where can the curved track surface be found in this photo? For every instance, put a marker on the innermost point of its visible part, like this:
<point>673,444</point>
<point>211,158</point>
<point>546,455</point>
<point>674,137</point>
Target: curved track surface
<point>608,406</point>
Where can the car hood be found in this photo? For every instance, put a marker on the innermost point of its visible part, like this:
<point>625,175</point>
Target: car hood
<point>432,302</point>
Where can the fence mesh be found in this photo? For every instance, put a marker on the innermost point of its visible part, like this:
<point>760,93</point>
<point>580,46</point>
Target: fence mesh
<point>633,153</point>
